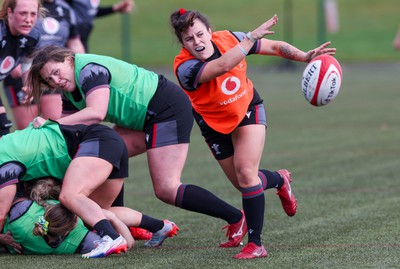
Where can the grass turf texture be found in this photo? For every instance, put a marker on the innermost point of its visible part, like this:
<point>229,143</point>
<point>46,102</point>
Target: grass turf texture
<point>344,158</point>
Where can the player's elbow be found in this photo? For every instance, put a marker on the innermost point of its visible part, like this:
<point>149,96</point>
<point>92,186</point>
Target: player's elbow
<point>225,67</point>
<point>97,115</point>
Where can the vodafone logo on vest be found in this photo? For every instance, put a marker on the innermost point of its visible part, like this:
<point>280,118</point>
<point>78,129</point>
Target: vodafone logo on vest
<point>7,65</point>
<point>51,26</point>
<point>230,85</point>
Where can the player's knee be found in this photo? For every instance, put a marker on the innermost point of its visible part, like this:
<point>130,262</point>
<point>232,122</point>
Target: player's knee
<point>166,195</point>
<point>65,198</point>
<point>245,173</point>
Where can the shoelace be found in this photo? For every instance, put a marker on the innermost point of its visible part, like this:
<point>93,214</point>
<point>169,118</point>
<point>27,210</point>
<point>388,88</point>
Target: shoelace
<point>229,230</point>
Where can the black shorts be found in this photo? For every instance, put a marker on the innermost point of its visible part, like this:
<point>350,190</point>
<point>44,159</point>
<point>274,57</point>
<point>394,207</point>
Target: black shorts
<point>98,141</point>
<point>13,91</point>
<point>221,144</point>
<point>169,119</point>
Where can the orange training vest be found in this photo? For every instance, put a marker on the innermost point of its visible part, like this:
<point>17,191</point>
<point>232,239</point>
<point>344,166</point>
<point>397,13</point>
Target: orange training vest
<point>223,101</point>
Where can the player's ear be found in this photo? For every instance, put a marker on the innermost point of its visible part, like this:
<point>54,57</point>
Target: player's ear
<point>70,60</point>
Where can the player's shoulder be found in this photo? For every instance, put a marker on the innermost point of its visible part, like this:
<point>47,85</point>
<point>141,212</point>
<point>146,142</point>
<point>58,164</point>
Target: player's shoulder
<point>3,29</point>
<point>11,172</point>
<point>189,63</point>
<point>63,4</point>
<point>34,34</point>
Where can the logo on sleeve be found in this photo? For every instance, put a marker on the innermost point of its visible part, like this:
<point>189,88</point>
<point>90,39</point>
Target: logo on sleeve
<point>7,65</point>
<point>51,26</point>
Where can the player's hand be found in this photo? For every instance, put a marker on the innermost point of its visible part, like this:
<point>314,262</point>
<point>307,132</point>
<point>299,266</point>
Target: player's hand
<point>38,122</point>
<point>26,91</point>
<point>264,29</point>
<point>7,239</point>
<point>124,6</point>
<point>323,49</point>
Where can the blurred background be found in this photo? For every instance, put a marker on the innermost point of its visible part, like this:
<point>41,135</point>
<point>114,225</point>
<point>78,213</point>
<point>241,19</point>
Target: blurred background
<point>362,30</point>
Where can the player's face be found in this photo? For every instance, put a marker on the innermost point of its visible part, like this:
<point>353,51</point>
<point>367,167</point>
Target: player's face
<point>22,19</point>
<point>59,75</point>
<point>197,40</point>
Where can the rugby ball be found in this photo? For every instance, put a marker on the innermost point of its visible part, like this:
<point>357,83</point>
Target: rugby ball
<point>321,80</point>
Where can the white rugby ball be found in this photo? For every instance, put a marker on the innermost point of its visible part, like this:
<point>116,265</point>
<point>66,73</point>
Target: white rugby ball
<point>321,80</point>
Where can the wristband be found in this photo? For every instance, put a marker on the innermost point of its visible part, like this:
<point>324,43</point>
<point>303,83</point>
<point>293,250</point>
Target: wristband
<point>5,124</point>
<point>243,50</point>
<point>251,37</point>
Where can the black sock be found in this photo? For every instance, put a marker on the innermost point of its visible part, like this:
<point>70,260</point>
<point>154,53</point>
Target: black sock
<point>119,201</point>
<point>254,206</point>
<point>270,179</point>
<point>104,227</point>
<point>196,199</point>
<point>151,224</point>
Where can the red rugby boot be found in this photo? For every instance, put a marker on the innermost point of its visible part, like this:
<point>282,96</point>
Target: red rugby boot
<point>286,195</point>
<point>251,251</point>
<point>235,233</point>
<point>140,234</point>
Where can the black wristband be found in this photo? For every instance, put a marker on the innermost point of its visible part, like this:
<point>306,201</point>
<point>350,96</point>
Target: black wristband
<point>5,124</point>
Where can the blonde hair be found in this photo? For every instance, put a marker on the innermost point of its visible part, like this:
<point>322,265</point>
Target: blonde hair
<point>44,189</point>
<point>56,220</point>
<point>13,3</point>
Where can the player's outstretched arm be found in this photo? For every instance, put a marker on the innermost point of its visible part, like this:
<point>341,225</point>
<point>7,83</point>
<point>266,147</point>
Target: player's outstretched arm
<point>323,49</point>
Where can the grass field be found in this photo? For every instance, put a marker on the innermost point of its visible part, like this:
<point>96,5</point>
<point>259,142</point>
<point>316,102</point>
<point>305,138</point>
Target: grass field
<point>344,158</point>
<point>367,27</point>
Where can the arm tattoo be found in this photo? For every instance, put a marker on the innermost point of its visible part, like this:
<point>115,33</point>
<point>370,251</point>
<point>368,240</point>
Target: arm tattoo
<point>288,53</point>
